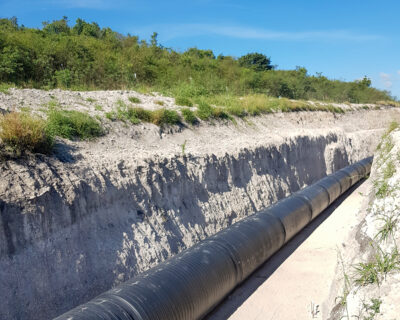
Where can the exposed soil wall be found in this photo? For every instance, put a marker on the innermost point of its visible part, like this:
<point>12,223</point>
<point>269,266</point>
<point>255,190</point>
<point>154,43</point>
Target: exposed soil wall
<point>97,213</point>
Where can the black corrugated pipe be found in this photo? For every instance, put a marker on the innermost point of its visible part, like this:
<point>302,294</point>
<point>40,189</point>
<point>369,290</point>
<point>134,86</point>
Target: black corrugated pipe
<point>190,284</point>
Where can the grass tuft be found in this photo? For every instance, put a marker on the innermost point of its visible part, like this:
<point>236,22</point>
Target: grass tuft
<point>189,116</point>
<point>134,100</point>
<point>204,110</point>
<point>73,124</point>
<point>21,132</point>
<point>4,88</point>
<point>376,270</point>
<point>183,101</point>
<point>162,117</point>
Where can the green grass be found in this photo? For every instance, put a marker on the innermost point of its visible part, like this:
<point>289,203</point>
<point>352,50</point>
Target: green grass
<point>73,124</point>
<point>389,170</point>
<point>134,100</point>
<point>258,104</point>
<point>366,273</point>
<point>382,189</point>
<point>159,102</point>
<point>98,107</point>
<point>4,87</point>
<point>183,101</point>
<point>136,115</point>
<point>189,116</point>
<point>123,113</point>
<point>388,228</point>
<point>373,308</point>
<point>53,103</point>
<point>91,100</point>
<point>162,117</point>
<point>375,271</point>
<point>21,132</point>
<point>204,110</point>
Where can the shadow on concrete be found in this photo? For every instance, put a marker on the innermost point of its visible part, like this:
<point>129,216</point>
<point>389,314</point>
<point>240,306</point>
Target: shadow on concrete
<point>242,292</point>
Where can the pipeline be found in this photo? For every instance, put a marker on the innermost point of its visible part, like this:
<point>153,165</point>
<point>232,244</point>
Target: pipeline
<point>193,282</point>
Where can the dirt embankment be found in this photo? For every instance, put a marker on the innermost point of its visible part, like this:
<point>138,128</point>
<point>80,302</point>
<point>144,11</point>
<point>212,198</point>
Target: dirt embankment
<point>99,212</point>
<point>367,285</point>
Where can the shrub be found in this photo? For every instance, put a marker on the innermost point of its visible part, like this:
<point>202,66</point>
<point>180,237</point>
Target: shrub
<point>189,116</point>
<point>73,124</point>
<point>134,100</point>
<point>164,116</point>
<point>22,132</point>
<point>183,101</point>
<point>143,115</point>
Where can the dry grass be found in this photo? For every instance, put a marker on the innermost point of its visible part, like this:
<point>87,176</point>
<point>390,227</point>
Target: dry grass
<point>20,132</point>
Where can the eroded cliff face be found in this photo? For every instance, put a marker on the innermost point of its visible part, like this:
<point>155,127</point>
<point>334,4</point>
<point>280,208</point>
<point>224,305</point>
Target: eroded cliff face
<point>68,233</point>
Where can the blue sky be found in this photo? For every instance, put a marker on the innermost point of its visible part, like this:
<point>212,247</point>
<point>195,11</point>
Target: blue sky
<point>344,40</point>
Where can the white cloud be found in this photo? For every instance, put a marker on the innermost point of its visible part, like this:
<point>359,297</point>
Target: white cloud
<point>386,79</point>
<point>184,30</point>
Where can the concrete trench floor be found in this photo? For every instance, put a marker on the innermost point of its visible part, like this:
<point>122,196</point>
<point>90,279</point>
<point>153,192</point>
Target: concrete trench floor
<point>301,273</point>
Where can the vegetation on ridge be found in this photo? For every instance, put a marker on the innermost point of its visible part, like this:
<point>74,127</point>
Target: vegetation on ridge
<point>85,56</point>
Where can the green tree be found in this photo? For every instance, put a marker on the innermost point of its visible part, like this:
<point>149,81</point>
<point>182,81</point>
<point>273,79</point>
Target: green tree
<point>256,61</point>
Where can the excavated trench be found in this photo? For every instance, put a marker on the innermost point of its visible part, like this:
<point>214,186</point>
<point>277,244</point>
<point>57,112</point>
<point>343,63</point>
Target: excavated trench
<point>70,232</point>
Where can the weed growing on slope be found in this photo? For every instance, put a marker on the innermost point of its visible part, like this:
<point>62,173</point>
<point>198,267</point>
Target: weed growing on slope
<point>123,113</point>
<point>388,228</point>
<point>376,270</point>
<point>91,100</point>
<point>135,115</point>
<point>382,189</point>
<point>71,124</point>
<point>373,308</point>
<point>21,132</point>
<point>162,117</point>
<point>183,101</point>
<point>346,286</point>
<point>189,116</point>
<point>204,110</point>
<point>366,273</point>
<point>389,170</point>
<point>183,147</point>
